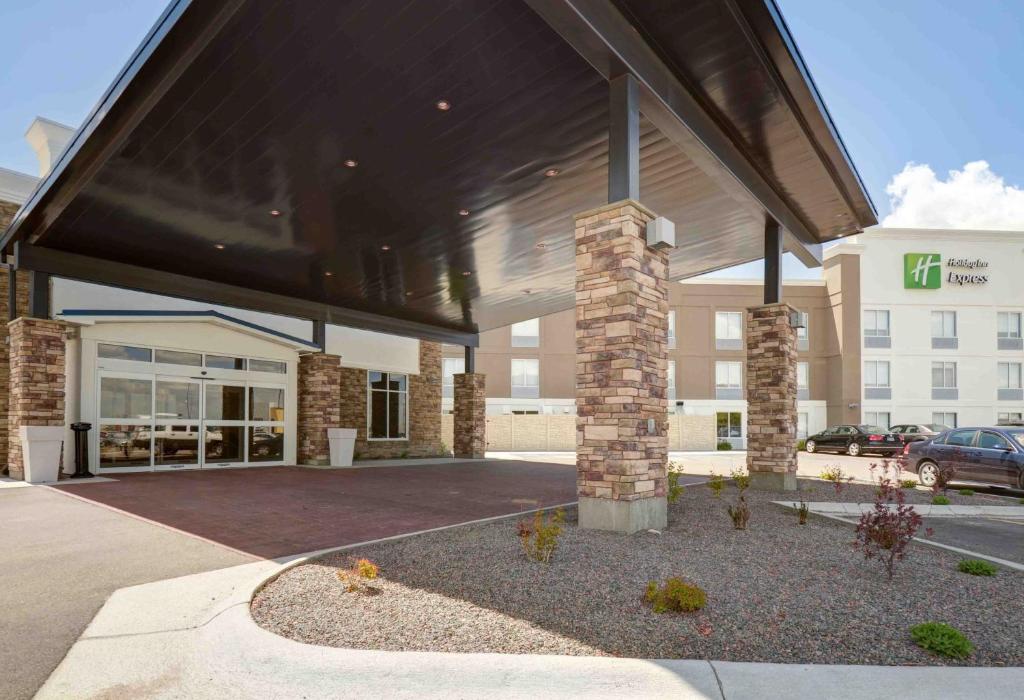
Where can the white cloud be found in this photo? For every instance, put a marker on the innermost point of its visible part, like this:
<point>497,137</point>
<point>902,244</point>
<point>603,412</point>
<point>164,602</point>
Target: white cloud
<point>972,198</point>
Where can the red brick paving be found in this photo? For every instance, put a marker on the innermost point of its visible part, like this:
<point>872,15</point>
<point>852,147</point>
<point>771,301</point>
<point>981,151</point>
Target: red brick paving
<point>275,511</point>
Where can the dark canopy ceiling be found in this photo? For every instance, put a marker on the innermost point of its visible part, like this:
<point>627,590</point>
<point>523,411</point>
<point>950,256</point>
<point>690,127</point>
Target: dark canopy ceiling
<point>221,153</point>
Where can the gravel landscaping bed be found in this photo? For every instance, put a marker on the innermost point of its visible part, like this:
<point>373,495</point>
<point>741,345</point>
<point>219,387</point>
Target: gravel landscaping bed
<point>775,592</point>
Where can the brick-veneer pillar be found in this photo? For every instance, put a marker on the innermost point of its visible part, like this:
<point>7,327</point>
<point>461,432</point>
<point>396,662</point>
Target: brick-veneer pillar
<point>470,401</point>
<point>621,370</point>
<point>771,397</point>
<point>37,381</point>
<point>319,406</point>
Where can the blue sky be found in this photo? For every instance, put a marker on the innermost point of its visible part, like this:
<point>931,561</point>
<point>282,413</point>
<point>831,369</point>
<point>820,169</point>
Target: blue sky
<point>922,81</point>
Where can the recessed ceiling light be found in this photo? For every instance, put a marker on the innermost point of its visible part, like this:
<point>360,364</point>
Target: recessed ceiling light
<point>542,245</point>
<point>526,291</point>
<point>385,247</point>
<point>466,273</point>
<point>551,172</point>
<point>463,212</point>
<point>328,274</point>
<point>218,246</point>
<point>408,294</point>
<point>275,212</point>
<point>443,105</point>
<point>351,163</point>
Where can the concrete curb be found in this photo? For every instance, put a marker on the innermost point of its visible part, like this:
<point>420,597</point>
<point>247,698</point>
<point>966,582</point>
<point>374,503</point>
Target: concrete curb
<point>926,510</point>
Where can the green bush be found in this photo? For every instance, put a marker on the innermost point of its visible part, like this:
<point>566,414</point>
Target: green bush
<point>724,445</point>
<point>908,484</point>
<point>977,567</point>
<point>675,489</point>
<point>940,500</point>
<point>1021,501</point>
<point>801,445</point>
<point>675,595</point>
<point>939,638</point>
<point>966,492</point>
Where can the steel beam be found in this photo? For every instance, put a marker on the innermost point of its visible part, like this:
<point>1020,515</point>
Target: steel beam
<point>772,263</point>
<point>12,293</point>
<point>38,294</point>
<point>320,334</point>
<point>470,364</point>
<point>599,32</point>
<point>623,139</point>
<point>81,267</point>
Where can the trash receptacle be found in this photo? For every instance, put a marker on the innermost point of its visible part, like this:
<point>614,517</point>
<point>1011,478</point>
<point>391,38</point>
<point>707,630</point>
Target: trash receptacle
<point>343,441</point>
<point>40,451</point>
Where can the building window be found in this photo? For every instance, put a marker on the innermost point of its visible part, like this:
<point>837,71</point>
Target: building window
<point>225,362</point>
<point>124,352</point>
<point>671,385</point>
<point>671,330</point>
<point>802,342</point>
<point>388,417</point>
<point>944,330</point>
<point>728,330</point>
<point>1009,381</point>
<point>729,380</point>
<point>1009,417</point>
<point>801,425</point>
<point>877,418</point>
<point>876,373</point>
<point>450,366</point>
<point>876,329</point>
<point>803,370</point>
<point>1008,330</point>
<point>730,428</point>
<point>946,418</point>
<point>526,334</point>
<point>272,366</point>
<point>943,375</point>
<point>525,379</point>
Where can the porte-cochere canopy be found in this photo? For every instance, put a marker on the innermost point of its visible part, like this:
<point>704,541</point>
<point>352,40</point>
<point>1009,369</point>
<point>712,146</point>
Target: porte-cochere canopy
<point>414,166</point>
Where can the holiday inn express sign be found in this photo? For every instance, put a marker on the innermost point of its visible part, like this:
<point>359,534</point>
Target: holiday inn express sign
<point>925,271</point>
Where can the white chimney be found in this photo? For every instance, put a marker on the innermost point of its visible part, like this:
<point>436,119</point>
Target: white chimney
<point>48,139</point>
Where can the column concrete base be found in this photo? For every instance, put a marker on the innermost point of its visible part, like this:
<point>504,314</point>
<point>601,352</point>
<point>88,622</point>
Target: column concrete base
<point>623,516</point>
<point>773,481</point>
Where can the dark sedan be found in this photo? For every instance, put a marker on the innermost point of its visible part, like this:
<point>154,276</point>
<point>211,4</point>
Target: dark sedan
<point>978,455</point>
<point>912,432</point>
<point>855,440</point>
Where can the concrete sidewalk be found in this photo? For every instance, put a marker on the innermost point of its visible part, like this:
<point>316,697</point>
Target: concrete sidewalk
<point>194,637</point>
<point>926,510</point>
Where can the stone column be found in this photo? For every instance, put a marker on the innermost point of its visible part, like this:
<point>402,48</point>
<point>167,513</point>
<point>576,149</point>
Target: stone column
<point>771,397</point>
<point>470,416</point>
<point>37,382</point>
<point>621,380</point>
<point>319,406</point>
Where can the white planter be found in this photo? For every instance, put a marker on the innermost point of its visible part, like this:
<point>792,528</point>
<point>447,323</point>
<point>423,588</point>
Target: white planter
<point>343,442</point>
<point>40,450</point>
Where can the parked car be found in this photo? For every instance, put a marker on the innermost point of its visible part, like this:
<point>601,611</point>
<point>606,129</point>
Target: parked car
<point>913,432</point>
<point>854,440</point>
<point>977,455</point>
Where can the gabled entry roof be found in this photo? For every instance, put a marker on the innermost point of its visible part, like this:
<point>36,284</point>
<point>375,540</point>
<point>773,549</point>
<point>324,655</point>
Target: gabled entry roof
<point>408,166</point>
<point>92,316</point>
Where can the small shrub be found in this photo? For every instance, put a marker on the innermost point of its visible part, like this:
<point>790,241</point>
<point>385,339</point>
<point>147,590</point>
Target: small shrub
<point>724,445</point>
<point>740,513</point>
<point>908,484</point>
<point>966,492</point>
<point>357,455</point>
<point>540,540</point>
<point>356,576</point>
<point>716,484</point>
<point>801,445</point>
<point>940,500</point>
<point>741,478</point>
<point>837,476</point>
<point>945,475</point>
<point>675,489</point>
<point>802,510</point>
<point>886,530</point>
<point>674,595</point>
<point>404,454</point>
<point>939,638</point>
<point>1021,501</point>
<point>977,567</point>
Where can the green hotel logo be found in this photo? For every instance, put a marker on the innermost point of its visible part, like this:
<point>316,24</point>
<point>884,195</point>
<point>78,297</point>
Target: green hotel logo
<point>922,271</point>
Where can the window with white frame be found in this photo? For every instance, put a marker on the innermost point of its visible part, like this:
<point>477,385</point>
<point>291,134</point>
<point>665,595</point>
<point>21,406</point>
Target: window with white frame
<point>728,375</point>
<point>526,334</point>
<point>876,374</point>
<point>671,330</point>
<point>876,323</point>
<point>728,325</point>
<point>1008,324</point>
<point>1007,417</point>
<point>877,418</point>
<point>671,384</point>
<point>801,425</point>
<point>525,378</point>
<point>1009,375</point>
<point>801,330</point>
<point>803,370</point>
<point>450,366</point>
<point>943,375</point>
<point>388,417</point>
<point>946,418</point>
<point>943,324</point>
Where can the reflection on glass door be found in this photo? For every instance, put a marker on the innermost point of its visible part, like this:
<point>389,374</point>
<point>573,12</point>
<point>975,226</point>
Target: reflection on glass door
<point>125,425</point>
<point>224,425</point>
<point>176,423</point>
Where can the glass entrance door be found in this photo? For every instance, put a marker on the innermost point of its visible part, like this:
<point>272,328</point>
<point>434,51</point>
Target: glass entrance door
<point>176,422</point>
<point>224,424</point>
